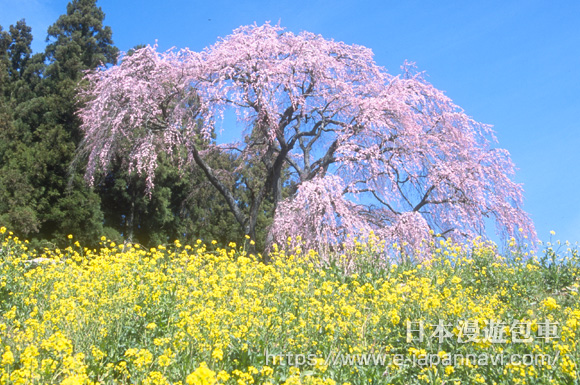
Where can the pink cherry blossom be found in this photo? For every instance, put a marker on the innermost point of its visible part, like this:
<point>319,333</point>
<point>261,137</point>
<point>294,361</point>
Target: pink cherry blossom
<point>365,150</point>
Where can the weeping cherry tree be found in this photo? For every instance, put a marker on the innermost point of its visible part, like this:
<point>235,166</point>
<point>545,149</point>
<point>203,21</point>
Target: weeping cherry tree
<point>364,150</point>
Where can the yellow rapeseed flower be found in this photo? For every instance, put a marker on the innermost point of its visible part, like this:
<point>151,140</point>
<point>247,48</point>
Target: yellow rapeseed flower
<point>7,357</point>
<point>202,376</point>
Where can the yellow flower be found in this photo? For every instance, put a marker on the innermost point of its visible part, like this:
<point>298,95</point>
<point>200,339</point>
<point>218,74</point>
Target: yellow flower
<point>155,378</point>
<point>218,354</point>
<point>550,303</point>
<point>223,376</point>
<point>98,354</point>
<point>267,371</point>
<point>151,326</point>
<point>202,376</point>
<point>70,236</point>
<point>164,360</point>
<point>7,357</point>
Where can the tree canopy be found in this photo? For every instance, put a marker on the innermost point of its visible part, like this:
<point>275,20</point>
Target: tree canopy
<point>364,150</point>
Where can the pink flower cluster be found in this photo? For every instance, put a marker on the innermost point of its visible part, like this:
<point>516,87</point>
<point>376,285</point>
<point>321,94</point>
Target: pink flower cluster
<point>365,150</point>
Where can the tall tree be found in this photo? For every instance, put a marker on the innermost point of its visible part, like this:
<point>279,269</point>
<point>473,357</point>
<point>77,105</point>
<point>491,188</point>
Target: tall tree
<point>77,41</point>
<point>367,150</point>
<point>21,74</point>
<point>38,193</point>
<point>39,132</point>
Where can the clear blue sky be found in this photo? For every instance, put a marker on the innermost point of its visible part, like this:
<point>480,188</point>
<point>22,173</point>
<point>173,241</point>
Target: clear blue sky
<point>515,65</point>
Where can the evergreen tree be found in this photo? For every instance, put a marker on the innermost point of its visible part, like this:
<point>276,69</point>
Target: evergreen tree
<point>181,206</point>
<point>40,130</point>
<point>20,50</point>
<point>19,72</point>
<point>78,41</point>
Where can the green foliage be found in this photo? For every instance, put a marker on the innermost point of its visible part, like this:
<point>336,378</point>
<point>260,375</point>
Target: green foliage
<point>43,198</point>
<point>39,132</point>
<point>182,205</point>
<point>78,41</point>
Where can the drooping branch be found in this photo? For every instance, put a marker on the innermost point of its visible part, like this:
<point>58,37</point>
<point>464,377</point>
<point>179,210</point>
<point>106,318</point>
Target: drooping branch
<point>322,108</point>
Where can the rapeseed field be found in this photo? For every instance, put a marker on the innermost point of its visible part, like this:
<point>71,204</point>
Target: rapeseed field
<point>202,314</point>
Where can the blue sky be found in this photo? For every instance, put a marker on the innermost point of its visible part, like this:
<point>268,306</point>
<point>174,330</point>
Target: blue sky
<point>515,65</point>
